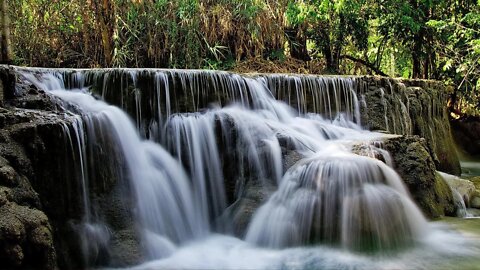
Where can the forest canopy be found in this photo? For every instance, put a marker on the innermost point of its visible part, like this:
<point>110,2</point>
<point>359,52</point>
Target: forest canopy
<point>427,39</point>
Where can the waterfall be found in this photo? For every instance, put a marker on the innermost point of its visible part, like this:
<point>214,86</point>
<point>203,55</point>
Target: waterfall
<point>342,198</point>
<point>161,187</point>
<point>201,139</point>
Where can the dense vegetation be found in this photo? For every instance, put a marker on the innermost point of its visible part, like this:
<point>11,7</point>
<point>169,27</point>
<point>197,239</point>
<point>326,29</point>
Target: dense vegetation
<point>430,39</point>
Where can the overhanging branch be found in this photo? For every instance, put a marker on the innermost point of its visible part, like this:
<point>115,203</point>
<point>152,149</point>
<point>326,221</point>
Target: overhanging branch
<point>365,63</point>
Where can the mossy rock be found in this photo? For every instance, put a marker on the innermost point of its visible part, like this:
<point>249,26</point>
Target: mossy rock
<point>412,107</point>
<point>413,161</point>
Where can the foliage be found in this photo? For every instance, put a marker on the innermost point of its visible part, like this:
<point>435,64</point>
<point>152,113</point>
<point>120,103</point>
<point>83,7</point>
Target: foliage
<point>331,25</point>
<point>142,33</point>
<point>458,45</point>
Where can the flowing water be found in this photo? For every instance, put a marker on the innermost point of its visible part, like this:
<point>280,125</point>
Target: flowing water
<point>201,140</point>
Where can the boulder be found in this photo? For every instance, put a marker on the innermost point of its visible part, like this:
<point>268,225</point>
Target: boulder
<point>475,202</point>
<point>241,211</point>
<point>412,159</point>
<point>464,187</point>
<point>253,192</point>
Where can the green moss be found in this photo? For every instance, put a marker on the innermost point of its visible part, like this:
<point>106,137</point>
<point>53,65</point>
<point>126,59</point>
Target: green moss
<point>476,182</point>
<point>413,161</point>
<point>444,196</point>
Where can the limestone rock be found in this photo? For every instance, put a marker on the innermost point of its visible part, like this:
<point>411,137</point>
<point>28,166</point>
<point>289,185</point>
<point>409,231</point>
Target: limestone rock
<point>475,202</point>
<point>241,211</point>
<point>464,187</point>
<point>7,176</point>
<point>125,249</point>
<point>412,159</point>
<point>411,107</point>
<point>290,158</point>
<point>25,238</point>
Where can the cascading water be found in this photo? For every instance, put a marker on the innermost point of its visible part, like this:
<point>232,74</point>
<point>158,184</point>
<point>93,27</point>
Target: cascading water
<point>331,199</point>
<point>167,213</point>
<point>93,233</point>
<point>335,197</point>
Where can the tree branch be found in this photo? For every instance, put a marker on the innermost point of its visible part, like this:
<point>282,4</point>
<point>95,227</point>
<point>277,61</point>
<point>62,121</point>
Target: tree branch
<point>365,63</point>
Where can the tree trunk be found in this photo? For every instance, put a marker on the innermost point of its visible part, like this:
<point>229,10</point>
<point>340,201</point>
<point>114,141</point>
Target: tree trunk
<point>416,56</point>
<point>426,67</point>
<point>297,41</point>
<point>6,49</point>
<point>327,52</point>
<point>338,41</point>
<point>105,20</point>
<point>428,45</point>
<point>85,26</point>
<point>326,46</point>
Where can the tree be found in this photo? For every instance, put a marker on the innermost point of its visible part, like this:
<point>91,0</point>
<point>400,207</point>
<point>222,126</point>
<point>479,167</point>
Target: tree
<point>457,42</point>
<point>6,49</point>
<point>331,25</point>
<point>405,22</point>
<point>105,18</point>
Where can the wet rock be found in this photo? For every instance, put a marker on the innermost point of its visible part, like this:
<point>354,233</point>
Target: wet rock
<point>241,211</point>
<point>253,192</point>
<point>412,159</point>
<point>125,249</point>
<point>290,158</point>
<point>476,181</point>
<point>11,228</point>
<point>464,187</point>
<point>475,200</point>
<point>369,150</point>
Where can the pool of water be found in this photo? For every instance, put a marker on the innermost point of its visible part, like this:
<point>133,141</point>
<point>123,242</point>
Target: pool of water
<point>453,243</point>
<point>470,168</point>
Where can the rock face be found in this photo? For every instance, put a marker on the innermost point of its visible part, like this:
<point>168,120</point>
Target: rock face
<point>32,164</point>
<point>26,234</point>
<point>412,159</point>
<point>411,107</point>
